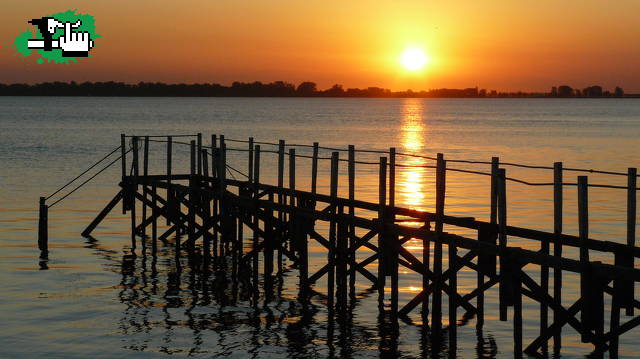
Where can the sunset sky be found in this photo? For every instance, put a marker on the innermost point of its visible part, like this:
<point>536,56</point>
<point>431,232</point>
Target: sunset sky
<point>503,45</point>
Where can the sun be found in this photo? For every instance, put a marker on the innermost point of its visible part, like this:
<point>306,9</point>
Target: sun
<point>413,59</point>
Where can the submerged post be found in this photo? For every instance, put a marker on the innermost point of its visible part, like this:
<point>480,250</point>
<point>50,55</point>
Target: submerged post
<point>43,231</point>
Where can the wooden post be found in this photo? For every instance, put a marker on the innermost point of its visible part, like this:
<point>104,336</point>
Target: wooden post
<point>214,165</point>
<point>145,173</point>
<point>352,230</point>
<point>279,234</point>
<point>314,168</point>
<point>493,216</point>
<point>341,279</point>
<point>256,222</point>
<point>154,223</point>
<point>134,188</point>
<point>382,203</point>
<point>206,207</point>
<point>583,230</point>
<point>199,151</point>
<point>436,315</point>
<point>193,196</point>
<point>332,232</point>
<point>517,314</point>
<point>43,231</point>
<point>544,285</point>
<point>557,248</point>
<point>170,203</point>
<point>390,216</point>
<point>215,159</point>
<point>123,161</point>
<point>506,288</point>
<point>250,161</point>
<point>222,189</point>
<point>631,222</point>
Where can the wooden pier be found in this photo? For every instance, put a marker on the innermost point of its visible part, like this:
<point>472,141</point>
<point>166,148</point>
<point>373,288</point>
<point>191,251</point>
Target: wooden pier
<point>210,213</point>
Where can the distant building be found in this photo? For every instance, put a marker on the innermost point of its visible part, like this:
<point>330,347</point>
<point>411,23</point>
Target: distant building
<point>565,91</point>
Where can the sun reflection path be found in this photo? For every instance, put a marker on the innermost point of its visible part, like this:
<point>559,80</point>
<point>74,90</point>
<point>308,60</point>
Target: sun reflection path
<point>413,181</point>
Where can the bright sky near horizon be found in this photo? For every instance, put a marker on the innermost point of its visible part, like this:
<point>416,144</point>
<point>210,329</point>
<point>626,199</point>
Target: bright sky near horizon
<point>527,45</point>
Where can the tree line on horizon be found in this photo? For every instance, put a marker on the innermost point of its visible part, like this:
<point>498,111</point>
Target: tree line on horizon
<point>275,89</point>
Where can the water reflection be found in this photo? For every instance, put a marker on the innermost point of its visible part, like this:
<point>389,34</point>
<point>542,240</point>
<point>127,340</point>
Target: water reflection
<point>412,181</point>
<point>182,307</point>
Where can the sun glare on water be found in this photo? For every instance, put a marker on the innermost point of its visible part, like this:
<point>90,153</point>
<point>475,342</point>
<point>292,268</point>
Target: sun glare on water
<point>413,59</point>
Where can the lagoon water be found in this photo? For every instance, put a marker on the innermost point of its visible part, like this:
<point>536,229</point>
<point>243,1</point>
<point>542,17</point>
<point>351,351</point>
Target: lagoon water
<point>88,301</point>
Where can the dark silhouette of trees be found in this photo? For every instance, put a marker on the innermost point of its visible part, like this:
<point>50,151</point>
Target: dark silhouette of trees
<point>273,89</point>
<point>307,89</point>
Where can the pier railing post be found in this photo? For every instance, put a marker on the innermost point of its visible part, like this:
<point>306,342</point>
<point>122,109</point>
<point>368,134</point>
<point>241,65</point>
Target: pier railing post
<point>193,195</point>
<point>506,275</point>
<point>170,204</point>
<point>390,217</point>
<point>279,234</point>
<point>557,249</point>
<point>382,203</point>
<point>133,188</point>
<point>145,188</point>
<point>199,151</point>
<point>436,315</point>
<point>351,232</point>
<point>256,224</point>
<point>632,175</point>
<point>123,161</point>
<point>43,231</point>
<point>333,192</point>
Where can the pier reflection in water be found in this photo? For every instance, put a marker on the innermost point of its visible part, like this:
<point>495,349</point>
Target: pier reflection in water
<point>175,305</point>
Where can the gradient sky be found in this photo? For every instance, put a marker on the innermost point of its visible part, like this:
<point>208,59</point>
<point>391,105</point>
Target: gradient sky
<point>504,45</point>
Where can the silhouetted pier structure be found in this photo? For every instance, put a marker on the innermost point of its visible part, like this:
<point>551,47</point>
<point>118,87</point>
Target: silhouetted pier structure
<point>214,213</point>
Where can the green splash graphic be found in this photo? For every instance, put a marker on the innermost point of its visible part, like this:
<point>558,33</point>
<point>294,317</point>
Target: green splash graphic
<point>21,44</point>
<point>55,55</point>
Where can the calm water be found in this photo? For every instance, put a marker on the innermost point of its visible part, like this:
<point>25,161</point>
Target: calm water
<point>91,302</point>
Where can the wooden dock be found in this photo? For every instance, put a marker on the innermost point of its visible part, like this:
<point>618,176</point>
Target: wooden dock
<point>209,213</point>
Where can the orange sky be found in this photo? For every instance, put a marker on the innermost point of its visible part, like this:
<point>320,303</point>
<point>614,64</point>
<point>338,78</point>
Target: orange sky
<point>503,45</point>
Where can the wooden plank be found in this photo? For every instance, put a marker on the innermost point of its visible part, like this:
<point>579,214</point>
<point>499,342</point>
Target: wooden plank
<point>96,221</point>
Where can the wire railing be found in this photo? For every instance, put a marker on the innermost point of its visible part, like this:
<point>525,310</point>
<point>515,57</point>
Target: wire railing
<point>230,169</point>
<point>402,165</point>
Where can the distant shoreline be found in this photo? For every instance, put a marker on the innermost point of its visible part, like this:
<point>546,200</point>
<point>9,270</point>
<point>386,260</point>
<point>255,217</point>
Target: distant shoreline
<point>283,89</point>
